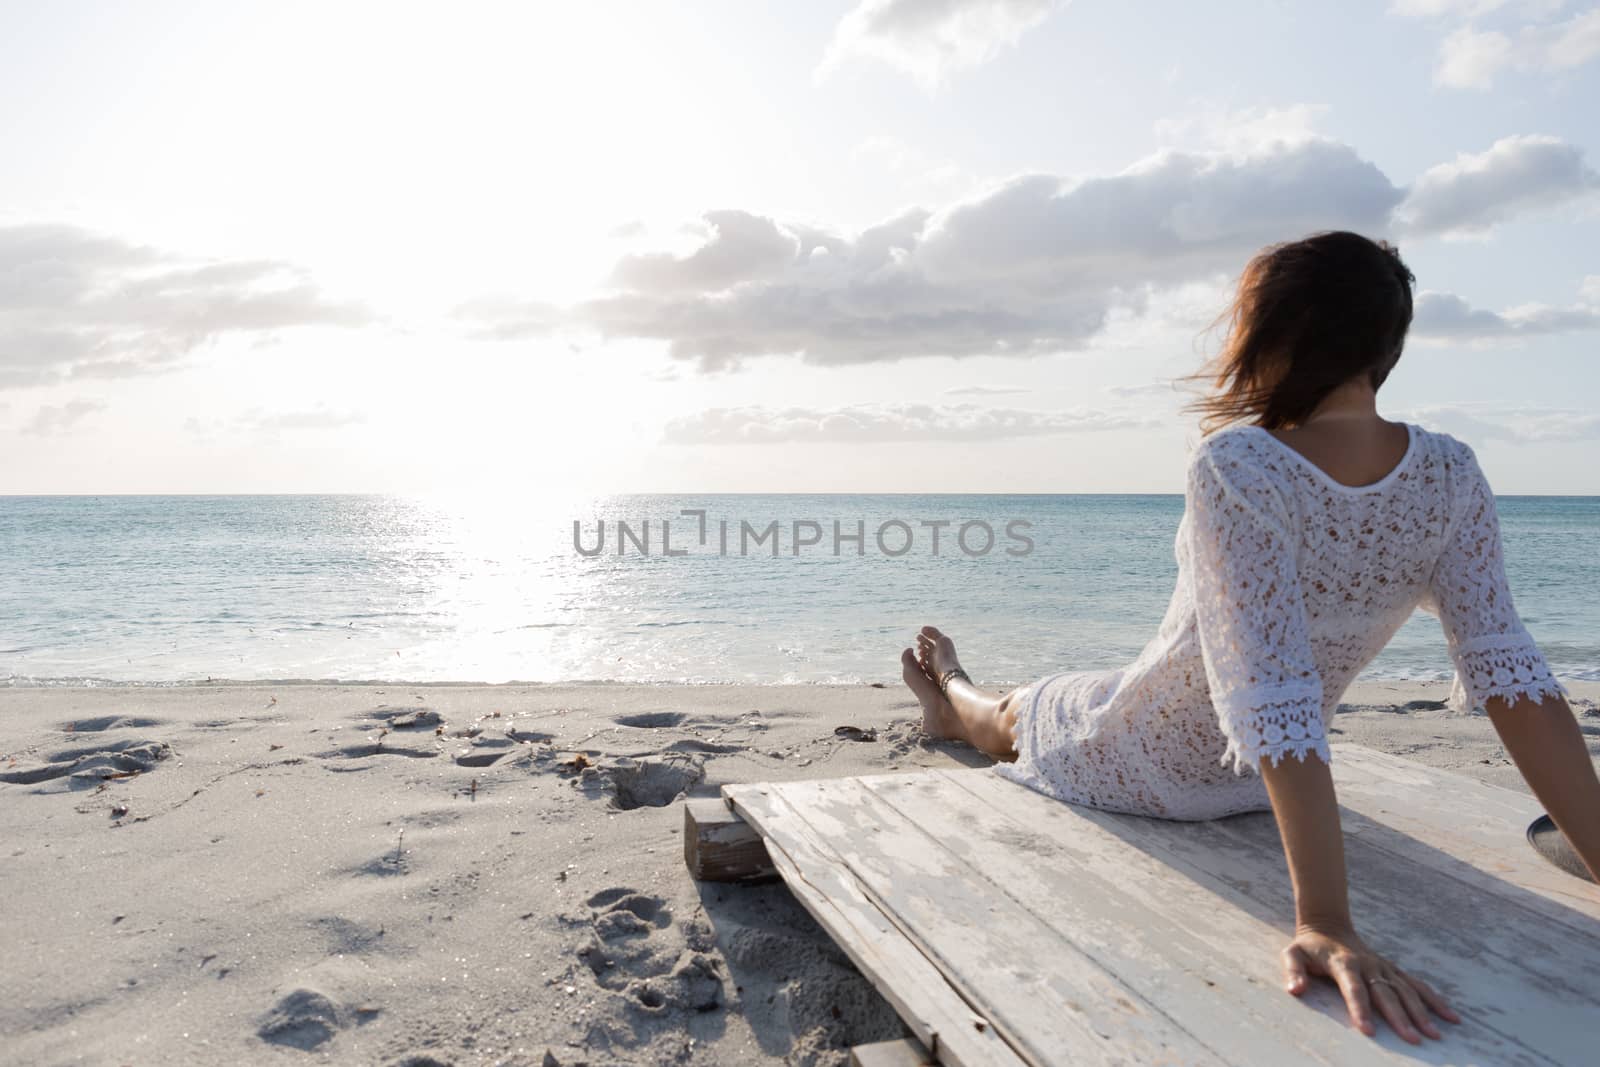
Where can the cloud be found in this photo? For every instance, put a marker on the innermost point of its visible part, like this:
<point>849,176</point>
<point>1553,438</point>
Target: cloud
<point>509,319</point>
<point>78,304</point>
<point>1472,58</point>
<point>1437,8</point>
<point>1033,266</point>
<point>1249,129</point>
<point>1037,265</point>
<point>1170,389</point>
<point>1519,424</point>
<point>58,418</point>
<point>1447,317</point>
<point>886,423</point>
<point>987,390</point>
<point>1515,175</point>
<point>932,39</point>
<point>1469,58</point>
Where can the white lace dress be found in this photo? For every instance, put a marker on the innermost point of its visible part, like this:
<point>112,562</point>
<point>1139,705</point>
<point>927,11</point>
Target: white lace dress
<point>1289,583</point>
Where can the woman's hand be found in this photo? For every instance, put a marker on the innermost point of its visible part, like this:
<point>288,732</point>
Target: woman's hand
<point>1368,981</point>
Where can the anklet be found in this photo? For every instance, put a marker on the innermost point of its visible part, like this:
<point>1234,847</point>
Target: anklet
<point>951,675</point>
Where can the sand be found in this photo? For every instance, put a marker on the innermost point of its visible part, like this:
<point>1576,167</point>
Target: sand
<point>394,874</point>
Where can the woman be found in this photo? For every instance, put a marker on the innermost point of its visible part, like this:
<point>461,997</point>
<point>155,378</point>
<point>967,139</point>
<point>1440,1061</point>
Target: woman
<point>1312,528</point>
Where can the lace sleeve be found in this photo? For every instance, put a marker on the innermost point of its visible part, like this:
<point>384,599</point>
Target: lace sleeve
<point>1251,615</point>
<point>1493,652</point>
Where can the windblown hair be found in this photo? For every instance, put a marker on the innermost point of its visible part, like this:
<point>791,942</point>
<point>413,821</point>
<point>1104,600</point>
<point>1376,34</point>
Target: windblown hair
<point>1309,316</point>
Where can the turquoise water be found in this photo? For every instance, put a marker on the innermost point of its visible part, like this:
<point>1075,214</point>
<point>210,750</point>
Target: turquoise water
<point>175,589</point>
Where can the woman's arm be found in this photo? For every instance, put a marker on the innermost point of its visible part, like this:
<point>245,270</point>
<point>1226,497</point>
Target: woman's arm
<point>1325,942</point>
<point>1547,747</point>
<point>1238,551</point>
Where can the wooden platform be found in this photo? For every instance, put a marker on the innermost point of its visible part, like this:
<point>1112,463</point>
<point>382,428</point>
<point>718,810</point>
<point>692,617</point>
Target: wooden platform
<point>1008,928</point>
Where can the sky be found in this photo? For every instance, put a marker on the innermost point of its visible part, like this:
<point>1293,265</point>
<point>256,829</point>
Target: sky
<point>734,246</point>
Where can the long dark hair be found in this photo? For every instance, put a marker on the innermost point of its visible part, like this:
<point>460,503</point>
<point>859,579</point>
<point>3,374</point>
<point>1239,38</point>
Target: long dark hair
<point>1309,316</point>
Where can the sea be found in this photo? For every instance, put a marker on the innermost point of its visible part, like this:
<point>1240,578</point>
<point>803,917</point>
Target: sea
<point>767,589</point>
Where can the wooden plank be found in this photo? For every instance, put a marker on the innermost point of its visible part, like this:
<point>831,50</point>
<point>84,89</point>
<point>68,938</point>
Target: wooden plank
<point>1050,1000</point>
<point>930,1007</point>
<point>1103,844</point>
<point>719,846</point>
<point>903,1053</point>
<point>1227,995</point>
<point>968,868</point>
<point>1434,805</point>
<point>1232,872</point>
<point>1517,983</point>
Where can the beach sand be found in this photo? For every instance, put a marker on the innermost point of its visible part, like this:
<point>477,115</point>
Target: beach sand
<point>395,874</point>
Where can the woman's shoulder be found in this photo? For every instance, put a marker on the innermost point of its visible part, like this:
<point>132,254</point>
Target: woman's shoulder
<point>1449,461</point>
<point>1242,460</point>
<point>1446,449</point>
<point>1240,450</point>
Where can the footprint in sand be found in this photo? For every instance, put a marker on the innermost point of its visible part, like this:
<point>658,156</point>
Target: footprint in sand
<point>651,720</point>
<point>108,722</point>
<point>402,718</point>
<point>87,766</point>
<point>303,1019</point>
<point>641,783</point>
<point>485,751</point>
<point>627,955</point>
<point>377,748</point>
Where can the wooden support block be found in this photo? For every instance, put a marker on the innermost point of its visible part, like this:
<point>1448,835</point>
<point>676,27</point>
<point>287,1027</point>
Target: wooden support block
<point>906,1052</point>
<point>719,846</point>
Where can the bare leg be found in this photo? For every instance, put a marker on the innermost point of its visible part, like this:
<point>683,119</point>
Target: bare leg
<point>983,720</point>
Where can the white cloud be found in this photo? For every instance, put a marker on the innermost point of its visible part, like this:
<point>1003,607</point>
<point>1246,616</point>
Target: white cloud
<point>1516,175</point>
<point>1172,389</point>
<point>77,304</point>
<point>1249,130</point>
<point>1437,8</point>
<point>883,423</point>
<point>1471,58</point>
<point>931,39</point>
<point>58,418</point>
<point>1040,264</point>
<point>1034,266</point>
<point>1447,317</point>
<point>1574,42</point>
<point>1524,424</point>
<point>987,390</point>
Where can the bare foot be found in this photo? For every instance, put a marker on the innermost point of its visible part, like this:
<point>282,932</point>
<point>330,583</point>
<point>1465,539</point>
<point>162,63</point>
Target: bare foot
<point>936,653</point>
<point>937,714</point>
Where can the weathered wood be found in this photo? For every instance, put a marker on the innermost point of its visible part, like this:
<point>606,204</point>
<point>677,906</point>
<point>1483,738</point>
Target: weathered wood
<point>719,846</point>
<point>1045,996</point>
<point>1481,826</point>
<point>1518,1009</point>
<point>906,1052</point>
<point>1231,1003</point>
<point>1086,937</point>
<point>929,1006</point>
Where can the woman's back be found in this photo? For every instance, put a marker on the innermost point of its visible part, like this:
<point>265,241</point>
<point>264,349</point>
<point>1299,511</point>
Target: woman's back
<point>1289,583</point>
<point>1298,576</point>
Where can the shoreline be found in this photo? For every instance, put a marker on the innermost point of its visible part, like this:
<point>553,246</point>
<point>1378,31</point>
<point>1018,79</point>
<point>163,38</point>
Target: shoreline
<point>31,684</point>
<point>479,874</point>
